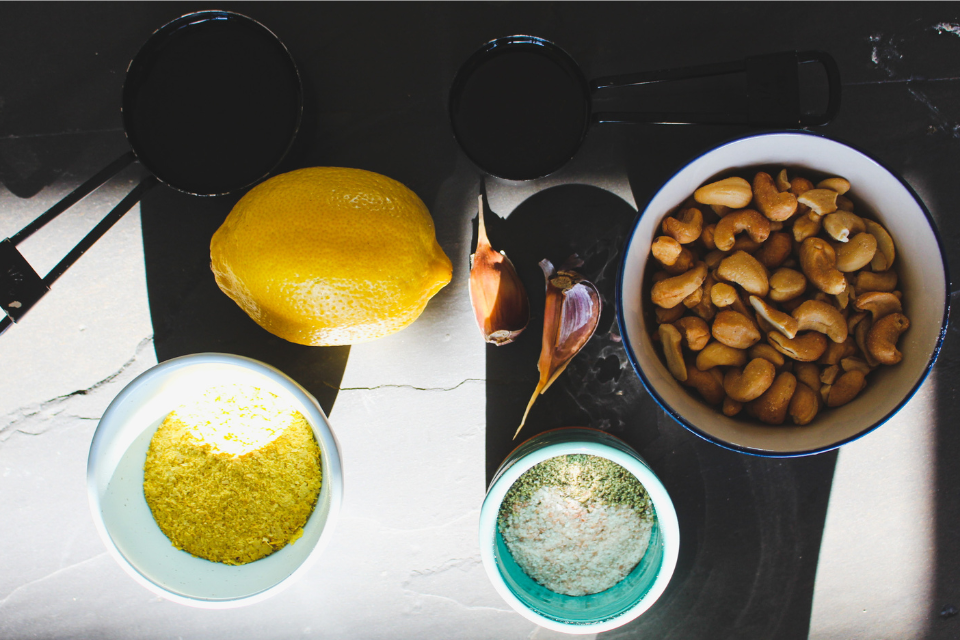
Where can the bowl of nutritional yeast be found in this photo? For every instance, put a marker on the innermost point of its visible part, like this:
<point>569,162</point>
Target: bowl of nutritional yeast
<point>577,533</point>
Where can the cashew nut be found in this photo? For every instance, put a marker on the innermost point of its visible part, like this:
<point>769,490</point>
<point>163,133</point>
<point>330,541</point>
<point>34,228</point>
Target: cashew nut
<point>837,351</point>
<point>667,316</point>
<point>860,337</point>
<point>854,319</point>
<point>735,330</point>
<point>825,392</point>
<point>670,339</point>
<point>750,383</point>
<point>783,181</point>
<point>873,281</point>
<point>881,340</point>
<point>722,294</point>
<point>804,404</point>
<point>821,201</point>
<point>685,227</point>
<point>730,192</point>
<point>856,364</point>
<point>713,259</point>
<point>705,309</point>
<point>666,250</point>
<point>840,185</point>
<point>819,261</point>
<point>766,352</point>
<point>671,292</point>
<point>775,250</point>
<point>857,253</point>
<point>694,298</point>
<point>744,242</point>
<point>829,374</point>
<point>878,303</point>
<point>746,271</point>
<point>799,186</point>
<point>695,332</point>
<point>717,354</point>
<point>820,316</point>
<point>756,226</point>
<point>806,226</point>
<point>771,407</point>
<point>786,284</point>
<point>684,261</point>
<point>720,210</point>
<point>709,385</point>
<point>886,253</point>
<point>731,407</point>
<point>772,203</point>
<point>706,237</point>
<point>809,374</point>
<point>840,225</point>
<point>806,347</point>
<point>779,320</point>
<point>846,388</point>
<point>844,203</point>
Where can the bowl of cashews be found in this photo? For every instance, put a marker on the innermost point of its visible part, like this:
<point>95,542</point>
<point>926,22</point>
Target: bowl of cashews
<point>783,294</point>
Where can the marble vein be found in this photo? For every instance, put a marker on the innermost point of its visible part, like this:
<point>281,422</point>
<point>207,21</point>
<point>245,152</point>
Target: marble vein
<point>25,585</point>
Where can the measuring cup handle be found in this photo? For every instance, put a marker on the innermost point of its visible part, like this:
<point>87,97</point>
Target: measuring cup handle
<point>20,285</point>
<point>833,87</point>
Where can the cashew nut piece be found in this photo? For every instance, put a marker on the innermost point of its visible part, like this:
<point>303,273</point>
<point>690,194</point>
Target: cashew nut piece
<point>722,294</point>
<point>666,250</point>
<point>857,253</point>
<point>684,261</point>
<point>846,388</point>
<point>856,364</point>
<point>772,203</point>
<point>819,263</point>
<point>744,242</point>
<point>668,316</point>
<point>771,407</point>
<point>735,330</point>
<point>717,354</point>
<point>730,192</point>
<point>840,185</point>
<point>685,227</point>
<point>799,186</point>
<point>806,226</point>
<point>853,320</point>
<point>707,384</point>
<point>694,298</point>
<point>879,303</point>
<point>706,237</point>
<point>783,181</point>
<point>756,226</point>
<point>821,201</point>
<point>829,374</point>
<point>670,340</point>
<point>844,203</point>
<point>787,284</point>
<point>886,252</point>
<point>860,337</point>
<point>809,374</point>
<point>840,225</point>
<point>751,382</point>
<point>695,332</point>
<point>671,292</point>
<point>766,352</point>
<point>731,407</point>
<point>806,347</point>
<point>819,316</point>
<point>837,351</point>
<point>746,271</point>
<point>785,324</point>
<point>713,259</point>
<point>705,309</point>
<point>881,340</point>
<point>803,405</point>
<point>873,281</point>
<point>775,250</point>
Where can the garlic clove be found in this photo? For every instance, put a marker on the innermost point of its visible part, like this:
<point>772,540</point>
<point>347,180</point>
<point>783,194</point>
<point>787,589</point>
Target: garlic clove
<point>499,300</point>
<point>570,317</point>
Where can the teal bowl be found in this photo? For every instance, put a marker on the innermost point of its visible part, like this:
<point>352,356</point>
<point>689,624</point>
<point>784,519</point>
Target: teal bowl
<point>598,612</point>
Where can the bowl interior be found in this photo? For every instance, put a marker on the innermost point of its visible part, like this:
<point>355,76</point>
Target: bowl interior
<point>125,522</point>
<point>592,613</point>
<point>919,262</point>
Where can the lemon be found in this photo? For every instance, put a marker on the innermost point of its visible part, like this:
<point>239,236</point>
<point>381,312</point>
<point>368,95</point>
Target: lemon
<point>329,256</point>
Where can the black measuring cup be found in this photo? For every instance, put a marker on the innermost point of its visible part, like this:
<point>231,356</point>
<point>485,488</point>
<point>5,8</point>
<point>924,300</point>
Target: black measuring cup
<point>520,106</point>
<point>211,104</point>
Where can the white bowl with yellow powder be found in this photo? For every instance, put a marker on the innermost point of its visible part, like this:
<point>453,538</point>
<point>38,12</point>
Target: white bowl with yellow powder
<point>126,521</point>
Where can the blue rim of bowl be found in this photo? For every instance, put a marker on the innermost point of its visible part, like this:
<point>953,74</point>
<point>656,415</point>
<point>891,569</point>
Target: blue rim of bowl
<point>621,322</point>
<point>336,498</point>
<point>636,465</point>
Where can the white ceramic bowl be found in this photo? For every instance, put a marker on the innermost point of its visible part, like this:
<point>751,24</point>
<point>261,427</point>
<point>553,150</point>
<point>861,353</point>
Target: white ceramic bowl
<point>920,263</point>
<point>602,611</point>
<point>124,520</point>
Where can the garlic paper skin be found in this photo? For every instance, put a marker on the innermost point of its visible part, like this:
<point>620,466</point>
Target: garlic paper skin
<point>570,317</point>
<point>496,292</point>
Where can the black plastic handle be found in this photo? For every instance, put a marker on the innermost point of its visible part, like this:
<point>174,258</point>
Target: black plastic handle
<point>773,92</point>
<point>20,285</point>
